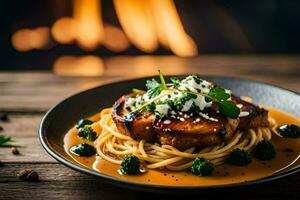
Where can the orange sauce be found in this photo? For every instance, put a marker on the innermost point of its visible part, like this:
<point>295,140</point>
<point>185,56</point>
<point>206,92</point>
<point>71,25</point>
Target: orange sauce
<point>223,174</point>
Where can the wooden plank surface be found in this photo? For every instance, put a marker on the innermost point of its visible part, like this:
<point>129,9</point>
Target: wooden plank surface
<point>57,181</point>
<point>40,90</point>
<point>27,95</point>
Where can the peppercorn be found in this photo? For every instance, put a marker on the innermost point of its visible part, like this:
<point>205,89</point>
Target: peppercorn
<point>4,117</point>
<point>15,151</point>
<point>28,175</point>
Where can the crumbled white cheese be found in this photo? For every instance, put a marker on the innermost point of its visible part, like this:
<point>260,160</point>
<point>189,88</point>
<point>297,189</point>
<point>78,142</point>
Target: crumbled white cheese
<point>130,102</point>
<point>187,105</point>
<point>239,106</point>
<point>167,122</point>
<point>243,114</point>
<point>205,86</point>
<point>190,84</point>
<point>207,117</point>
<point>197,120</point>
<point>201,103</point>
<point>228,91</point>
<point>162,109</point>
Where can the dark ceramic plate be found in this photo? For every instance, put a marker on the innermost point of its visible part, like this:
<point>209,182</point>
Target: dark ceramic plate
<point>64,115</point>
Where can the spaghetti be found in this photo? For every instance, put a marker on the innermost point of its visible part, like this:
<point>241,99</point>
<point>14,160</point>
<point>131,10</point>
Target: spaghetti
<point>113,146</point>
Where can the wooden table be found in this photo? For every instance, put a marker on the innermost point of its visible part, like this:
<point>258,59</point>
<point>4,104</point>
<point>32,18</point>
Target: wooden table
<point>26,96</point>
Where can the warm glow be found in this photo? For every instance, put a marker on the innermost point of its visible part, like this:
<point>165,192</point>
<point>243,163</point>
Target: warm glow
<point>89,30</point>
<point>115,39</point>
<point>63,30</point>
<point>79,66</point>
<point>137,22</point>
<point>170,30</point>
<point>28,39</point>
<point>148,22</point>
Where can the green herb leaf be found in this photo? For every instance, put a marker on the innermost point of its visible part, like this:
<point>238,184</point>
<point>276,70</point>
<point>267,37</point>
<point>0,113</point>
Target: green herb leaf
<point>154,92</point>
<point>154,88</point>
<point>6,141</point>
<point>162,80</point>
<point>229,109</point>
<point>175,81</point>
<point>135,90</point>
<point>219,93</point>
<point>150,84</point>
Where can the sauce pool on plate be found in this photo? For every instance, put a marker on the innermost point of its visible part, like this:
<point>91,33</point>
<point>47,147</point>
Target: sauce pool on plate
<point>287,151</point>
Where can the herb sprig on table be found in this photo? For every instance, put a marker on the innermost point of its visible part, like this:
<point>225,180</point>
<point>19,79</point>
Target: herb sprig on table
<point>216,94</point>
<point>6,141</point>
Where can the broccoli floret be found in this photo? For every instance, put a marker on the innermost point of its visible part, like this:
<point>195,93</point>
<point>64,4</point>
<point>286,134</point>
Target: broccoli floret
<point>289,131</point>
<point>202,167</point>
<point>264,150</point>
<point>87,133</point>
<point>83,149</point>
<point>239,157</point>
<point>130,165</point>
<point>81,123</point>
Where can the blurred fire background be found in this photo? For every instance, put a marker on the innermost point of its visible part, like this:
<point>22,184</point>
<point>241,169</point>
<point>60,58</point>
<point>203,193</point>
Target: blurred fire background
<point>57,34</point>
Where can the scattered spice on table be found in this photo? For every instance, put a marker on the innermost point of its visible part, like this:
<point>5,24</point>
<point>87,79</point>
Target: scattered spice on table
<point>4,117</point>
<point>28,175</point>
<point>15,151</point>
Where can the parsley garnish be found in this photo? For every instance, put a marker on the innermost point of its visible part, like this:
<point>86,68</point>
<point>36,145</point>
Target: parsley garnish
<point>155,88</point>
<point>87,133</point>
<point>6,141</point>
<point>175,82</point>
<point>135,90</point>
<point>226,106</point>
<point>217,94</point>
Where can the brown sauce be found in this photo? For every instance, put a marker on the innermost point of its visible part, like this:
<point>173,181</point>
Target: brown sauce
<point>223,174</point>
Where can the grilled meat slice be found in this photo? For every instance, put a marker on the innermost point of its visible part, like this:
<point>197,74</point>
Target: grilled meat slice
<point>195,131</point>
<point>258,117</point>
<point>138,126</point>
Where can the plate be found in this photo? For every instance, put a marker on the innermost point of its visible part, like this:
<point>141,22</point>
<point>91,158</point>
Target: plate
<point>59,119</point>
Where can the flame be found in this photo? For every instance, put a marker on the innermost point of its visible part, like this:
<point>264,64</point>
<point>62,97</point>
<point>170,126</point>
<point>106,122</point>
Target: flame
<point>28,39</point>
<point>115,39</point>
<point>148,22</point>
<point>79,66</point>
<point>63,30</point>
<point>137,22</point>
<point>90,31</point>
<point>170,30</point>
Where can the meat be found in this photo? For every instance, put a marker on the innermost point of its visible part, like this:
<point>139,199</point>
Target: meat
<point>139,125</point>
<point>258,117</point>
<point>195,131</point>
<point>185,132</point>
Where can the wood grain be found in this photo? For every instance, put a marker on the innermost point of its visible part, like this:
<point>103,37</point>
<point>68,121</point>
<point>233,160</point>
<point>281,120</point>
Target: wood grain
<point>21,125</point>
<point>33,152</point>
<point>39,91</point>
<point>57,181</point>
